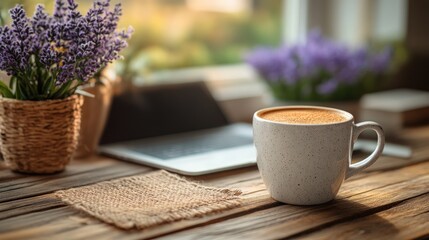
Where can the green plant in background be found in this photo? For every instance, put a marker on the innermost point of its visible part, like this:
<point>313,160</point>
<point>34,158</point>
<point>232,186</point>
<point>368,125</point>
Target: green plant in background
<point>172,36</point>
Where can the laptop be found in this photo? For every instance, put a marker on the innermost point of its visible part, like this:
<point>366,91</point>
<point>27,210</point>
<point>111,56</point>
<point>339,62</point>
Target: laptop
<point>177,127</point>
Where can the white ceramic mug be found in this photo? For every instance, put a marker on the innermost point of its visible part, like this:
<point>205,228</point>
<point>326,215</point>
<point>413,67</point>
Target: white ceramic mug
<point>305,164</point>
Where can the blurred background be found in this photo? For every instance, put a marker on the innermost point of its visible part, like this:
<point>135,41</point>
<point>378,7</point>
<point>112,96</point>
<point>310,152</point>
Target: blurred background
<point>229,44</point>
<point>177,34</point>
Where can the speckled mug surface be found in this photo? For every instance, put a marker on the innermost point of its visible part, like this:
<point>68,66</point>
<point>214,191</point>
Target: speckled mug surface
<point>305,164</point>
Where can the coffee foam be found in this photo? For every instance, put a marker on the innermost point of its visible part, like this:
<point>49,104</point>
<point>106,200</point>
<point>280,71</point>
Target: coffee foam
<point>304,116</point>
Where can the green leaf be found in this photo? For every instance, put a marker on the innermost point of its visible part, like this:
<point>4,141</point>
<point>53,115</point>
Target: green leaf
<point>46,86</point>
<point>19,94</point>
<point>12,82</point>
<point>5,91</point>
<point>62,90</point>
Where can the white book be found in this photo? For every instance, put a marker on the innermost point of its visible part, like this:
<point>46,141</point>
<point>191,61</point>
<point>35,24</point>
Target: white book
<point>395,109</point>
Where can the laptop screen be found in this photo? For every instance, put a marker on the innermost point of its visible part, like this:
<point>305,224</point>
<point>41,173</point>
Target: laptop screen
<point>161,110</point>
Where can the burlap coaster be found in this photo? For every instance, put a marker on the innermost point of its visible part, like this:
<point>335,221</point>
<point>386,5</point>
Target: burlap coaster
<point>148,200</point>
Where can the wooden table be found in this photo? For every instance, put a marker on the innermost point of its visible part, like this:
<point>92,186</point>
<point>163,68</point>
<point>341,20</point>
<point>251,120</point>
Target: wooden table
<point>389,201</point>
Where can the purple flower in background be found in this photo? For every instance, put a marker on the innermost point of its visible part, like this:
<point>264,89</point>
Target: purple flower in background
<point>264,60</point>
<point>65,47</point>
<point>381,61</point>
<point>318,64</point>
<point>327,87</point>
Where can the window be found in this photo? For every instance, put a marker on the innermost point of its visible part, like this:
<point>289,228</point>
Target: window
<point>174,34</point>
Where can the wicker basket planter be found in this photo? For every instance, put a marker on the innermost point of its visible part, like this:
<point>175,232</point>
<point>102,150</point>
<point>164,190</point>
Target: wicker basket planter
<point>39,136</point>
<point>94,115</point>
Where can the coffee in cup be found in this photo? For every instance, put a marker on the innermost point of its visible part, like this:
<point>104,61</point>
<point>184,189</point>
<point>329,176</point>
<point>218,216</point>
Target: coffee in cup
<point>303,116</point>
<point>304,152</point>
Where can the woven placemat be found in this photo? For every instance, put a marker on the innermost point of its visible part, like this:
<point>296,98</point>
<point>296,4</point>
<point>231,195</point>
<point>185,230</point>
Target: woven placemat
<point>147,200</point>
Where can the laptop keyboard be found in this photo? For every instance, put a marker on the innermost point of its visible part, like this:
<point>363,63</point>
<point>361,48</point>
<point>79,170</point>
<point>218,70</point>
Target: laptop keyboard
<point>169,148</point>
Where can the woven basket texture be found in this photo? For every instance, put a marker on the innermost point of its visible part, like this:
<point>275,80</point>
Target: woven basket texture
<point>39,136</point>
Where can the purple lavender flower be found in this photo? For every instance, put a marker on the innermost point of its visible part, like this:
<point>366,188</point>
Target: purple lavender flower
<point>381,61</point>
<point>318,64</point>
<point>327,87</point>
<point>40,23</point>
<point>65,47</point>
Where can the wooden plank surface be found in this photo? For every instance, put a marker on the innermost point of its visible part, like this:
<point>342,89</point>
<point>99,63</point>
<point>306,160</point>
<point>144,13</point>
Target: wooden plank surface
<point>389,200</point>
<point>407,220</point>
<point>79,173</point>
<point>357,198</point>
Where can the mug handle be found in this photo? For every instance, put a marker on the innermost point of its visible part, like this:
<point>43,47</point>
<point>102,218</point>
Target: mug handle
<point>357,130</point>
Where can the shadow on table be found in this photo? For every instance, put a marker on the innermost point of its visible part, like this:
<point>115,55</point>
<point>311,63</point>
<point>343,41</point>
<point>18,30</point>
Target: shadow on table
<point>356,218</point>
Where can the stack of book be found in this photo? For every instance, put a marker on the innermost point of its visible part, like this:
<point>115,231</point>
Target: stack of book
<point>396,109</point>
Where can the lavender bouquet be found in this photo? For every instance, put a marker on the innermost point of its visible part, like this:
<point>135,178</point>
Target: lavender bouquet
<point>320,69</point>
<point>48,57</point>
